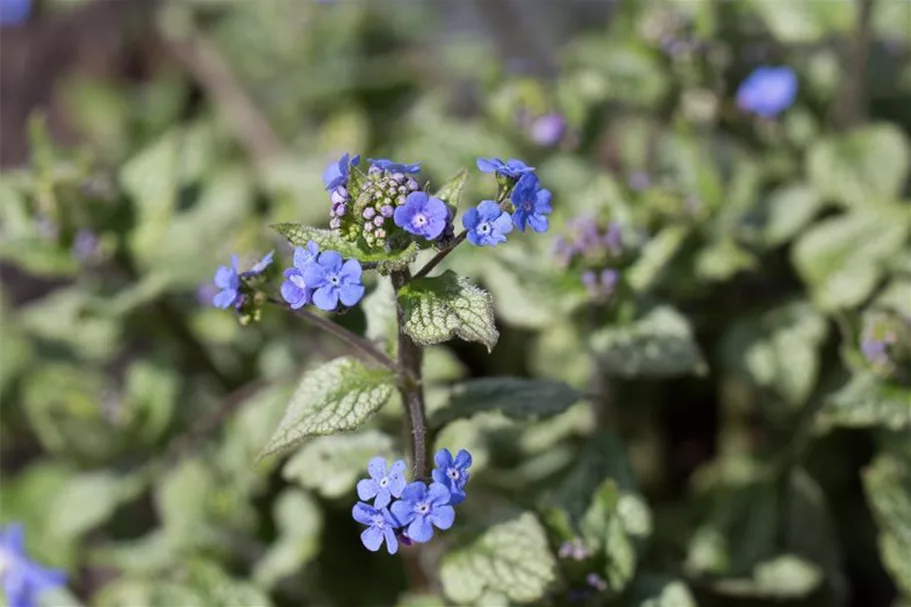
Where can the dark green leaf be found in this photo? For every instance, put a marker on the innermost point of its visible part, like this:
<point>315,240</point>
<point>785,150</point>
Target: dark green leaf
<point>514,397</point>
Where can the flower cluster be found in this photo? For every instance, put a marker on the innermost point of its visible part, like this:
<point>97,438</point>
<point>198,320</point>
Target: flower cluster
<point>386,207</point>
<point>322,278</point>
<point>23,580</point>
<point>528,206</point>
<point>768,91</point>
<point>408,512</point>
<point>597,250</point>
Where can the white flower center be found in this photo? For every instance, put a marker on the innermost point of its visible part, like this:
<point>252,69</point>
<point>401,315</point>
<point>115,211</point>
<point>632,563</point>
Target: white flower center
<point>453,474</point>
<point>484,228</point>
<point>422,508</point>
<point>419,220</point>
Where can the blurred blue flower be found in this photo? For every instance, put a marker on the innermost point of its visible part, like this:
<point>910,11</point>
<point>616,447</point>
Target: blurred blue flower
<point>452,473</point>
<point>383,484</point>
<point>85,245</point>
<point>422,215</point>
<point>333,280</point>
<point>380,527</point>
<point>228,280</point>
<point>394,167</point>
<point>422,508</point>
<point>532,204</point>
<point>768,91</point>
<point>596,581</point>
<point>294,289</point>
<point>512,168</point>
<point>639,180</point>
<point>260,266</point>
<point>14,12</point>
<point>548,130</point>
<point>336,174</point>
<point>23,580</point>
<point>487,224</point>
<point>601,285</point>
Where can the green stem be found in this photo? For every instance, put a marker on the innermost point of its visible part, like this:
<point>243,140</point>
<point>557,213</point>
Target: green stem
<point>357,343</point>
<point>409,384</point>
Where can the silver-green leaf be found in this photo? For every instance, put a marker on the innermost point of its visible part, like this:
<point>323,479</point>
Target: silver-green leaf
<point>451,191</point>
<point>658,344</point>
<point>337,397</point>
<point>510,558</point>
<point>888,486</point>
<point>442,307</point>
<point>329,240</point>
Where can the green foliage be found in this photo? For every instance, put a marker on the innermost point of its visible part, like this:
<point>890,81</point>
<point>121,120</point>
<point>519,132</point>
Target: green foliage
<point>327,240</point>
<point>507,557</point>
<point>888,487</point>
<point>439,308</point>
<point>512,396</point>
<point>336,397</point>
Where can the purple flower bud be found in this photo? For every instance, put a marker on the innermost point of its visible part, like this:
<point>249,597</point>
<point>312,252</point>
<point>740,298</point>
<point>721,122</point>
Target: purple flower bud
<point>589,279</point>
<point>381,233</point>
<point>368,227</point>
<point>369,213</point>
<point>335,223</point>
<point>378,221</point>
<point>339,195</point>
<point>387,210</point>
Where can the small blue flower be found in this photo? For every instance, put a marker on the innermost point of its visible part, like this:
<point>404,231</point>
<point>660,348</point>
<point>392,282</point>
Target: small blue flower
<point>394,167</point>
<point>85,245</point>
<point>381,527</point>
<point>336,174</point>
<point>383,484</point>
<point>333,280</point>
<point>23,580</point>
<point>422,509</point>
<point>548,130</point>
<point>532,204</point>
<point>260,266</point>
<point>14,12</point>
<point>768,91</point>
<point>487,224</point>
<point>294,289</point>
<point>228,280</point>
<point>512,168</point>
<point>452,473</point>
<point>422,215</point>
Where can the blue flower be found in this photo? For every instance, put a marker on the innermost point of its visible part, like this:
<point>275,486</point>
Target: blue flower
<point>487,224</point>
<point>383,484</point>
<point>295,290</point>
<point>333,280</point>
<point>512,168</point>
<point>422,215</point>
<point>422,509</point>
<point>23,580</point>
<point>336,174</point>
<point>452,473</point>
<point>14,12</point>
<point>532,204</point>
<point>768,91</point>
<point>381,527</point>
<point>395,167</point>
<point>228,280</point>
<point>85,245</point>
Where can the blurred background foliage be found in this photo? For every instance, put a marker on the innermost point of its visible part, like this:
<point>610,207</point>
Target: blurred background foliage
<point>736,446</point>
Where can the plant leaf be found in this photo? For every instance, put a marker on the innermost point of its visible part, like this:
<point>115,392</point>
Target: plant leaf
<point>510,558</point>
<point>336,397</point>
<point>658,344</point>
<point>451,191</point>
<point>888,487</point>
<point>514,397</point>
<point>329,240</point>
<point>439,308</point>
<point>651,590</point>
<point>867,402</point>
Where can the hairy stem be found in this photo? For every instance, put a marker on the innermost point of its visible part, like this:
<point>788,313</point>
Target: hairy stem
<point>850,106</point>
<point>411,389</point>
<point>357,343</point>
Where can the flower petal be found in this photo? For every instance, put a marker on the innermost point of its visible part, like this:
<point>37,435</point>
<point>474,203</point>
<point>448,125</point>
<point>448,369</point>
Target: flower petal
<point>223,276</point>
<point>376,468</point>
<point>372,539</point>
<point>456,497</point>
<point>414,492</point>
<point>326,298</point>
<point>443,458</point>
<point>442,517</point>
<point>403,512</point>
<point>392,544</point>
<point>351,271</point>
<point>470,219</point>
<point>489,165</point>
<point>439,476</point>
<point>438,493</point>
<point>382,497</point>
<point>538,223</point>
<point>224,298</point>
<point>351,294</point>
<point>397,485</point>
<point>463,459</point>
<point>367,488</point>
<point>363,513</point>
<point>420,530</point>
<point>331,260</point>
<point>398,467</point>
